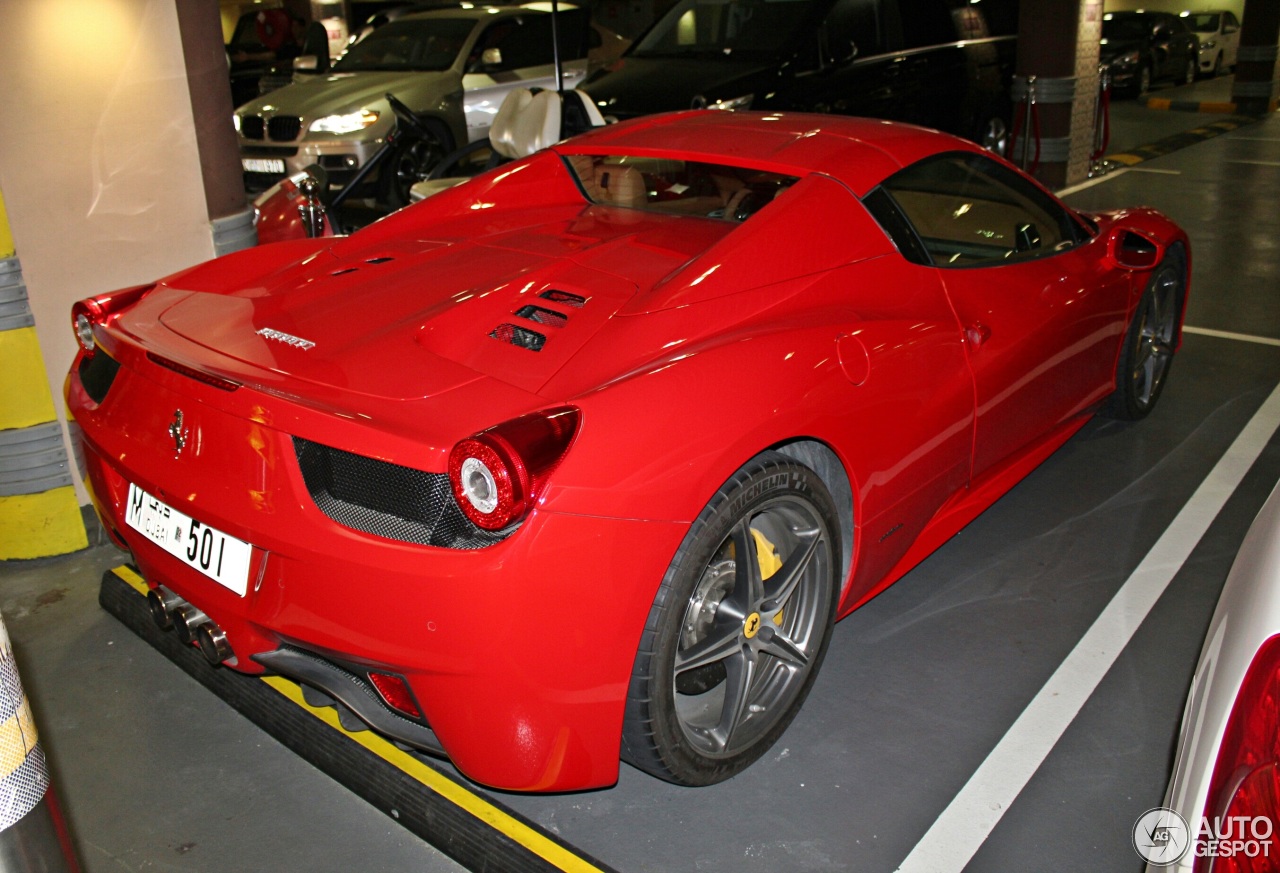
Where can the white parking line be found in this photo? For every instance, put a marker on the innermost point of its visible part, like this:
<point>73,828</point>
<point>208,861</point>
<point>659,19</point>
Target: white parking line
<point>1226,334</point>
<point>966,823</point>
<point>1114,174</point>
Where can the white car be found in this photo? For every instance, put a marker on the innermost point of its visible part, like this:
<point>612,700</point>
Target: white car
<point>1219,32</point>
<point>451,67</point>
<point>1227,770</point>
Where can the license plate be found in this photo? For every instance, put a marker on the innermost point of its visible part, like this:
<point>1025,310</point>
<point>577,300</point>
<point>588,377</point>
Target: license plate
<point>220,556</point>
<point>263,165</point>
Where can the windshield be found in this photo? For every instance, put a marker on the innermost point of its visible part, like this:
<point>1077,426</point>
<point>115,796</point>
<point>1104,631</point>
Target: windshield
<point>1204,22</point>
<point>1125,28</point>
<point>737,28</point>
<point>422,44</point>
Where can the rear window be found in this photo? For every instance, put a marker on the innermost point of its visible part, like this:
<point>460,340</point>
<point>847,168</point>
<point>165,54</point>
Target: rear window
<point>676,187</point>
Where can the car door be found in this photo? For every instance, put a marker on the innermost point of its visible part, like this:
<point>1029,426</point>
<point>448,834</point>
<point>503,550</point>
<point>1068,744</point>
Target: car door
<point>1041,313</point>
<point>517,51</point>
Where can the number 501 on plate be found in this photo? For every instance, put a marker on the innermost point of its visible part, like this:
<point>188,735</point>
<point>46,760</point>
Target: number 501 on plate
<point>220,556</point>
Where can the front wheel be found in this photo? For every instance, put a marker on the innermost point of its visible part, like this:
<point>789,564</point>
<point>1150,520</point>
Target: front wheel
<point>1149,343</point>
<point>1193,67</point>
<point>738,628</point>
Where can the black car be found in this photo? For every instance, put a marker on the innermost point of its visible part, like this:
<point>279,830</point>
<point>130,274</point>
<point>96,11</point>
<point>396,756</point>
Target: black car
<point>941,63</point>
<point>1141,47</point>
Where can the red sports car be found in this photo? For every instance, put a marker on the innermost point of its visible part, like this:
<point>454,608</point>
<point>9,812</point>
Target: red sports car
<point>581,459</point>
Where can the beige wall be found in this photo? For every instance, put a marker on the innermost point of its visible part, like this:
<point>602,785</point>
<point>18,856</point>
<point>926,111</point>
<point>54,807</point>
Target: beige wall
<point>98,159</point>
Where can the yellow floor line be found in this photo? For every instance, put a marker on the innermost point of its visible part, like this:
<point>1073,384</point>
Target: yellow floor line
<point>429,777</point>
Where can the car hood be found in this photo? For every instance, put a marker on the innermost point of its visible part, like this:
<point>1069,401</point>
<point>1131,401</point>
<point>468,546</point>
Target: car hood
<point>415,318</point>
<point>639,86</point>
<point>349,92</point>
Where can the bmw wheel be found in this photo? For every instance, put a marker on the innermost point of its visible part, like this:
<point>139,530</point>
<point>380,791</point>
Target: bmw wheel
<point>1149,343</point>
<point>1193,67</point>
<point>739,626</point>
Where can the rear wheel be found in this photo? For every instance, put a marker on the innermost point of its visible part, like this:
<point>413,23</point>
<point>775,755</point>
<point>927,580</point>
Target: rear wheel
<point>1149,343</point>
<point>738,628</point>
<point>1193,67</point>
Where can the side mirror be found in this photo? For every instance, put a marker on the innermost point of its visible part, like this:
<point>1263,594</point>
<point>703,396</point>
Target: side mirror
<point>1130,250</point>
<point>843,54</point>
<point>306,63</point>
<point>491,57</point>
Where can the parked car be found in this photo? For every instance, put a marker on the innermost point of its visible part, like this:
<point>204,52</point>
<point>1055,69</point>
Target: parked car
<point>582,457</point>
<point>946,64</point>
<point>1228,761</point>
<point>1142,47</point>
<point>1219,33</point>
<point>450,67</point>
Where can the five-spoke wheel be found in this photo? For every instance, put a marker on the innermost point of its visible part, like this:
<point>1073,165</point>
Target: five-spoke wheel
<point>1151,339</point>
<point>739,626</point>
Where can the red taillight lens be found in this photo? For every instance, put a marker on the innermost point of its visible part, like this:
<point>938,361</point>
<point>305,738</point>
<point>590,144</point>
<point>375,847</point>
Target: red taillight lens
<point>93,311</point>
<point>497,474</point>
<point>1246,776</point>
<point>395,691</point>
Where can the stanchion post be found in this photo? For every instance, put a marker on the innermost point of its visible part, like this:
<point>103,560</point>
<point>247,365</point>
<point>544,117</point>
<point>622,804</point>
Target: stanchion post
<point>33,834</point>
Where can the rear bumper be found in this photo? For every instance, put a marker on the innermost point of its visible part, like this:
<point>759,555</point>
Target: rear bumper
<point>519,654</point>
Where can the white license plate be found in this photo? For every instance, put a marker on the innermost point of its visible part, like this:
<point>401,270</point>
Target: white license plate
<point>221,557</point>
<point>263,165</point>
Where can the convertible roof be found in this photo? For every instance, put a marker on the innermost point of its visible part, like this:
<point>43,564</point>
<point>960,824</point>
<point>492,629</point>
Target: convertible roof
<point>860,152</point>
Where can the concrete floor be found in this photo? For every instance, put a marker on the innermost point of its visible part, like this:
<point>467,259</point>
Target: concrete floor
<point>157,774</point>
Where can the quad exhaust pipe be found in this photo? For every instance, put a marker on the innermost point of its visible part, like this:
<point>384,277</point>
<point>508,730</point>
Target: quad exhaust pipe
<point>189,623</point>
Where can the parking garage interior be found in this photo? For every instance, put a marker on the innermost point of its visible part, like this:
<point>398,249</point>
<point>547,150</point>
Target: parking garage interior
<point>119,167</point>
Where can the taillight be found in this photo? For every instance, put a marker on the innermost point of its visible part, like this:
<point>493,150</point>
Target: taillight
<point>498,473</point>
<point>93,311</point>
<point>1246,777</point>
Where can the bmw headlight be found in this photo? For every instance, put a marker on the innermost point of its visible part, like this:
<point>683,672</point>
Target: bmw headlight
<point>347,123</point>
<point>1128,59</point>
<point>743,102</point>
<point>1208,44</point>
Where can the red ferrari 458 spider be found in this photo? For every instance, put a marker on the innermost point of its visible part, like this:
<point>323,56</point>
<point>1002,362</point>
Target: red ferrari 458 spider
<point>580,460</point>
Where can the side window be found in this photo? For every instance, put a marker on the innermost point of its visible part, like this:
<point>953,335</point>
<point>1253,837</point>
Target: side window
<point>966,210</point>
<point>1229,22</point>
<point>926,23</point>
<point>526,41</point>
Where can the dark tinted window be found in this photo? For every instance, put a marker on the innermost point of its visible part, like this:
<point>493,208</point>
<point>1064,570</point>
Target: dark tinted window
<point>1204,22</point>
<point>854,27</point>
<point>1124,27</point>
<point>925,23</point>
<point>728,28</point>
<point>967,210</point>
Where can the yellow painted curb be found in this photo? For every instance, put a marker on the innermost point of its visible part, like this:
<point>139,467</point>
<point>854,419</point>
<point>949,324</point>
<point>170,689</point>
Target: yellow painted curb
<point>41,525</point>
<point>6,236</point>
<point>23,383</point>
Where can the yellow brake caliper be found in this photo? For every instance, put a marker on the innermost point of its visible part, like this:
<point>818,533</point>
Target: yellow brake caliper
<point>770,562</point>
